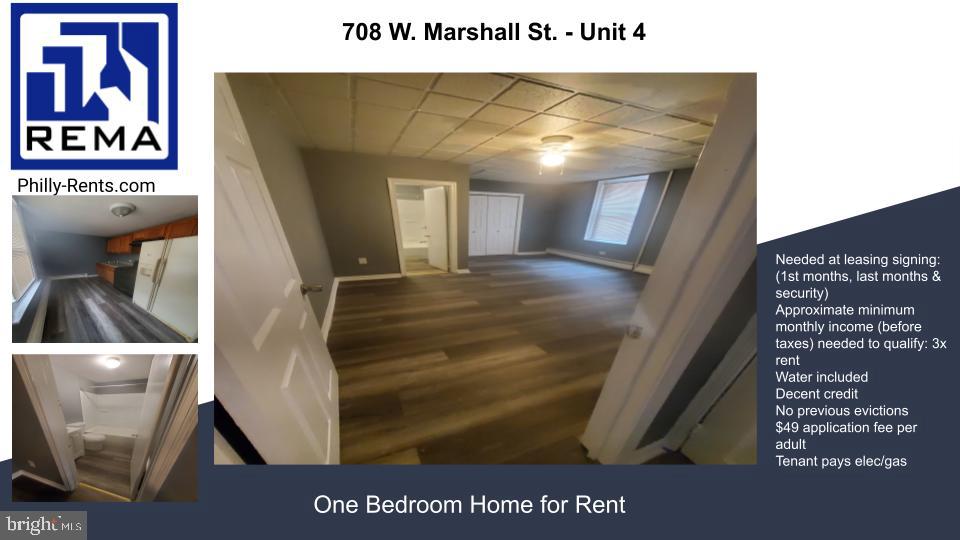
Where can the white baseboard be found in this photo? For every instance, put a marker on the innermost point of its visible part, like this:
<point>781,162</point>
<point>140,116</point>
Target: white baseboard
<point>42,480</point>
<point>530,253</point>
<point>71,276</point>
<point>623,265</point>
<point>40,317</point>
<point>328,313</point>
<point>463,270</point>
<point>643,269</point>
<point>370,277</point>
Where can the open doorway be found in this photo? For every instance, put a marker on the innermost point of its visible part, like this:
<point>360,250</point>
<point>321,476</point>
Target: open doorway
<point>424,219</point>
<point>104,428</point>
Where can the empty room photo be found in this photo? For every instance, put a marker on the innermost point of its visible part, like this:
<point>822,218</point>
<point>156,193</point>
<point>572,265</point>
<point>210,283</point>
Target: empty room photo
<point>105,269</point>
<point>428,268</point>
<point>104,428</point>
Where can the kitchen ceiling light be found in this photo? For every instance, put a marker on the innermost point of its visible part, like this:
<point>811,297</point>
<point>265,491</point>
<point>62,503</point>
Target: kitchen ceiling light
<point>122,209</point>
<point>110,362</point>
<point>554,151</point>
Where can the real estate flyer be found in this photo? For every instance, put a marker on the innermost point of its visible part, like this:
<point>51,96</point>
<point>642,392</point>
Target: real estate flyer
<point>300,269</point>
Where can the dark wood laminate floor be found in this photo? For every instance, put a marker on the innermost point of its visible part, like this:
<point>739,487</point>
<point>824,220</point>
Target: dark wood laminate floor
<point>108,470</point>
<point>90,310</point>
<point>502,365</point>
<point>29,490</point>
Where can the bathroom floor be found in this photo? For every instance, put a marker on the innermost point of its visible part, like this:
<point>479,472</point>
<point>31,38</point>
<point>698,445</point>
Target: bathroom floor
<point>108,470</point>
<point>418,266</point>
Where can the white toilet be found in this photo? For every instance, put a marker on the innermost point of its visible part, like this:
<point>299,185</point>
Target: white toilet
<point>93,442</point>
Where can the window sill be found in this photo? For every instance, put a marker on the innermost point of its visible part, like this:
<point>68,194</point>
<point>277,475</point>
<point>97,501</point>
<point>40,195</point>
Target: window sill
<point>21,305</point>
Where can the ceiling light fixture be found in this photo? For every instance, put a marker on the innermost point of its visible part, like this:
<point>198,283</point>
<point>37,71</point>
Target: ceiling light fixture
<point>122,209</point>
<point>110,362</point>
<point>554,151</point>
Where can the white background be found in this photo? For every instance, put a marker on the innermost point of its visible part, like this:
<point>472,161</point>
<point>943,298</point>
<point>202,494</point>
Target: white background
<point>857,100</point>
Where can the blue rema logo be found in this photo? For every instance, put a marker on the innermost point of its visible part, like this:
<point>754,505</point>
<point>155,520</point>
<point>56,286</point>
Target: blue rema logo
<point>94,86</point>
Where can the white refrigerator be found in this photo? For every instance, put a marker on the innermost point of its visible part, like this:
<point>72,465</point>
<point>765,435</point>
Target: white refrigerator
<point>166,283</point>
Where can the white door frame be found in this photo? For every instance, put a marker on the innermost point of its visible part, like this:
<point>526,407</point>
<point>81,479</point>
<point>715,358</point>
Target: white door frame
<point>42,398</point>
<point>452,255</point>
<point>174,430</point>
<point>743,350</point>
<point>707,258</point>
<point>516,233</point>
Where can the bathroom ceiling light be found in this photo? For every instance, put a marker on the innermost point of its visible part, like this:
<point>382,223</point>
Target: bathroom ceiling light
<point>122,209</point>
<point>110,362</point>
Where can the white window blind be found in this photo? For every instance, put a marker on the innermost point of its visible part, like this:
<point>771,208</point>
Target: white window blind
<point>614,210</point>
<point>23,274</point>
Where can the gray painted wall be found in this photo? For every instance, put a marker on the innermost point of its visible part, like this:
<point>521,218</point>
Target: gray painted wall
<point>539,210</point>
<point>29,444</point>
<point>575,203</point>
<point>351,195</point>
<point>63,254</point>
<point>734,317</point>
<point>69,385</point>
<point>286,179</point>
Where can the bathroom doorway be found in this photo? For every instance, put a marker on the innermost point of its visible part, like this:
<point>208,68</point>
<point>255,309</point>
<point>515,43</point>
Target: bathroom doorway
<point>424,218</point>
<point>108,427</point>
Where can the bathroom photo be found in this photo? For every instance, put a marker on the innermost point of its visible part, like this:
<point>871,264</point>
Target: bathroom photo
<point>421,225</point>
<point>110,428</point>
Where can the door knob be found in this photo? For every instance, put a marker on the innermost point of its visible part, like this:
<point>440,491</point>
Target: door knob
<point>304,289</point>
<point>634,331</point>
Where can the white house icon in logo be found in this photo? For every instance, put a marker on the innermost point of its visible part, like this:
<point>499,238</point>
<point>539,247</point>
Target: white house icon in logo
<point>94,86</point>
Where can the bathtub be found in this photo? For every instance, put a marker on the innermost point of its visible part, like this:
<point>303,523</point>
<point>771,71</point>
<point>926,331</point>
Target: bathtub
<point>113,431</point>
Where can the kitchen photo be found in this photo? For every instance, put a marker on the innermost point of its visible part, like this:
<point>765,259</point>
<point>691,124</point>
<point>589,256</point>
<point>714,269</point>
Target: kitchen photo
<point>104,269</point>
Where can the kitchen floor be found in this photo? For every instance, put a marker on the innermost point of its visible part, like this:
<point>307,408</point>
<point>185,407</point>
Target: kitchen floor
<point>90,310</point>
<point>502,365</point>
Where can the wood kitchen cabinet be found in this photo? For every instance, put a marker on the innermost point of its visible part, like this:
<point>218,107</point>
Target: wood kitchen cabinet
<point>175,229</point>
<point>182,227</point>
<point>106,272</point>
<point>120,244</point>
<point>152,233</point>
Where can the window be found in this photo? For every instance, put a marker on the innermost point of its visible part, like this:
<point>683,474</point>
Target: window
<point>614,209</point>
<point>23,274</point>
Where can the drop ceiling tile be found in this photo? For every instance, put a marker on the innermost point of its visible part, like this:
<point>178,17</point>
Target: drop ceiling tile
<point>389,95</point>
<point>470,134</point>
<point>706,110</point>
<point>650,141</point>
<point>450,106</point>
<point>377,127</point>
<point>470,157</point>
<point>532,96</point>
<point>682,147</point>
<point>440,154</point>
<point>499,114</point>
<point>543,125</point>
<point>690,132</point>
<point>426,130</point>
<point>408,151</point>
<point>661,124</point>
<point>326,120</point>
<point>482,86</point>
<point>332,85</point>
<point>412,80</point>
<point>583,107</point>
<point>624,116</point>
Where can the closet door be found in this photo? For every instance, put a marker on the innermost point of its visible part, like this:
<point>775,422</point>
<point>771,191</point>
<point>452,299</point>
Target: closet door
<point>478,225</point>
<point>493,226</point>
<point>508,224</point>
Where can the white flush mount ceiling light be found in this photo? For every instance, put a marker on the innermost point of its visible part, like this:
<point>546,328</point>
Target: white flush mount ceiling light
<point>554,151</point>
<point>110,362</point>
<point>122,209</point>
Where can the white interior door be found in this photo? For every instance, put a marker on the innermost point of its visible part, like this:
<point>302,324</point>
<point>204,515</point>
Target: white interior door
<point>478,225</point>
<point>501,224</point>
<point>274,374</point>
<point>435,201</point>
<point>508,224</point>
<point>175,301</point>
<point>728,434</point>
<point>149,414</point>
